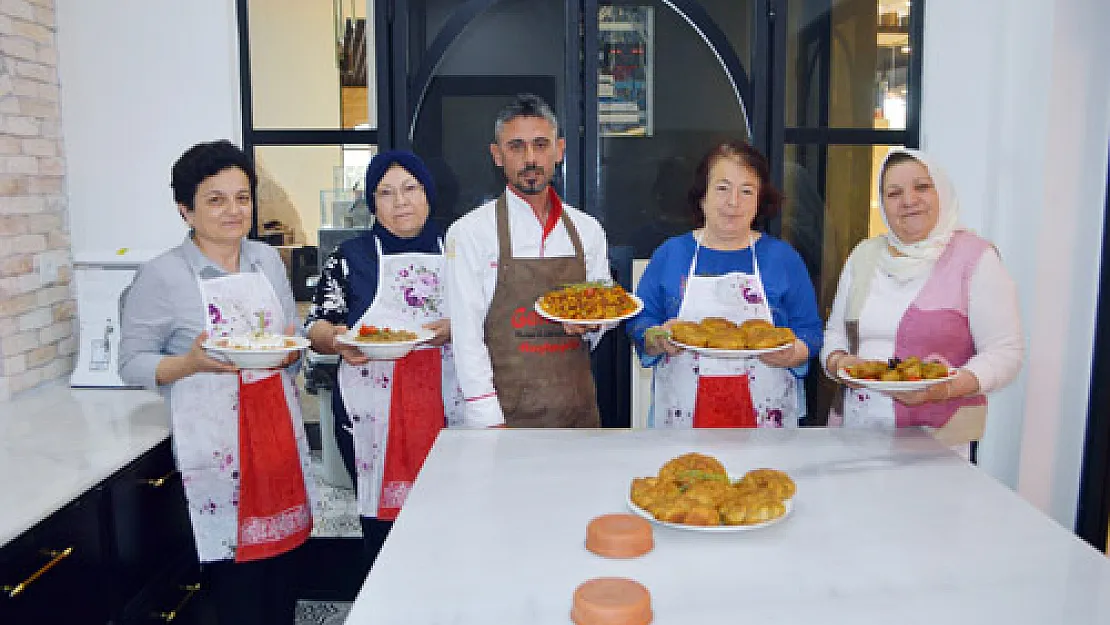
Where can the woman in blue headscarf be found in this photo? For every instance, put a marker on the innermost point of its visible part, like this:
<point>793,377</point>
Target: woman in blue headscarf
<point>387,412</point>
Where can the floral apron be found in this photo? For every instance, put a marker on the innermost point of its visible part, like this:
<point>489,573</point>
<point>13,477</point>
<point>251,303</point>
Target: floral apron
<point>398,407</point>
<point>205,426</point>
<point>694,390</point>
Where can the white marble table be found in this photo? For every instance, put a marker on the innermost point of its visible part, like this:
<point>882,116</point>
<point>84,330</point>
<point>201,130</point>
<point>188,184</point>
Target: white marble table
<point>57,443</point>
<point>885,530</point>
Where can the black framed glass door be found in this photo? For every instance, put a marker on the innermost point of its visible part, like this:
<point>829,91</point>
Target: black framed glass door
<point>452,64</point>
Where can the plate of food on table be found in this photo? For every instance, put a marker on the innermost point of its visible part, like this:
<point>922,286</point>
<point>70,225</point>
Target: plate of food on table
<point>719,337</point>
<point>898,374</point>
<point>695,492</point>
<point>589,303</point>
<point>257,350</point>
<point>384,342</point>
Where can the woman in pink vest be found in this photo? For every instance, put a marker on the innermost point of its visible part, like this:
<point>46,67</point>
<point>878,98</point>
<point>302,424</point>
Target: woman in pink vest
<point>926,288</point>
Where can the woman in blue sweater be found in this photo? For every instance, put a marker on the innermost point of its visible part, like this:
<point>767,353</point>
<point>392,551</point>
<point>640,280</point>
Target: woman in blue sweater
<point>727,268</point>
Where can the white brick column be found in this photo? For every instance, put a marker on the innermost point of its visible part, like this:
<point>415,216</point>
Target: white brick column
<point>38,336</point>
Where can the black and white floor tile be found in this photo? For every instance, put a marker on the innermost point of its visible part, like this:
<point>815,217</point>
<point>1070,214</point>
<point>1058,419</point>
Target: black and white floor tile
<point>322,612</point>
<point>336,513</point>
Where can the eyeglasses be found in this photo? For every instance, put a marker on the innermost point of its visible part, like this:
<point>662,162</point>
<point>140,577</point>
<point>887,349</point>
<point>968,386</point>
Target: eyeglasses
<point>388,195</point>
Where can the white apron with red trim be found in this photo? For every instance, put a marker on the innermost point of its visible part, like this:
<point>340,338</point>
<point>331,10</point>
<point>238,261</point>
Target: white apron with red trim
<point>204,415</point>
<point>410,294</point>
<point>735,296</point>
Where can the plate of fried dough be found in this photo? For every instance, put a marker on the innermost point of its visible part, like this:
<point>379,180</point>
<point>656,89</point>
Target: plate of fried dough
<point>721,338</point>
<point>695,492</point>
<point>898,374</point>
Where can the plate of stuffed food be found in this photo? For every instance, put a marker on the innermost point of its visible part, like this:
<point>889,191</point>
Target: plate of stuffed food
<point>258,350</point>
<point>898,374</point>
<point>695,492</point>
<point>589,303</point>
<point>383,342</point>
<point>719,337</point>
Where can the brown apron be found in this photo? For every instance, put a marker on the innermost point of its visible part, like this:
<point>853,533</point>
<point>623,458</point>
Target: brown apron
<point>542,374</point>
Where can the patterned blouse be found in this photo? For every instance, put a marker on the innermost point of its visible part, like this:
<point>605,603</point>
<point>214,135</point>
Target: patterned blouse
<point>336,291</point>
<point>329,302</point>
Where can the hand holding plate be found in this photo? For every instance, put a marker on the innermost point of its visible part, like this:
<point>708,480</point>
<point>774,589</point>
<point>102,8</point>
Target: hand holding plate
<point>347,352</point>
<point>442,328</point>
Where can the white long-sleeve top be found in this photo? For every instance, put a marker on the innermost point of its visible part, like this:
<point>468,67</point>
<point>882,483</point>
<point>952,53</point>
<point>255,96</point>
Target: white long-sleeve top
<point>471,268</point>
<point>993,315</point>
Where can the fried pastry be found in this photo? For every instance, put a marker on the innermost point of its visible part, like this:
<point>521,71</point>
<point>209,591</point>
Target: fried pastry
<point>772,481</point>
<point>717,323</point>
<point>708,492</point>
<point>755,324</point>
<point>690,333</point>
<point>703,515</point>
<point>691,467</point>
<point>694,489</point>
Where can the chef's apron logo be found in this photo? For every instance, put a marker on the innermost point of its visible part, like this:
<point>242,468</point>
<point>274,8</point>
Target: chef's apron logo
<point>529,325</point>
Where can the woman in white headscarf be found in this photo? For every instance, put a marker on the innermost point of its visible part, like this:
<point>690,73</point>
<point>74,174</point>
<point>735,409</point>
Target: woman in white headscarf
<point>926,288</point>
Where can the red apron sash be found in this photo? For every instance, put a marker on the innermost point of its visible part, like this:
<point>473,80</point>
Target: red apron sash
<point>274,513</point>
<point>724,402</point>
<point>415,418</point>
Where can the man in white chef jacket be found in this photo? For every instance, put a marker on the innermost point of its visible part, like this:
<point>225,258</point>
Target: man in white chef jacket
<point>515,368</point>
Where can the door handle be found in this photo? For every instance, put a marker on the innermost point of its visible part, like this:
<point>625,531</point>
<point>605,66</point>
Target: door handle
<point>55,557</point>
<point>158,482</point>
<point>168,617</point>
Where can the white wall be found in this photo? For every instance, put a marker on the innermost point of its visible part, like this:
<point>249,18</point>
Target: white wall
<point>1016,107</point>
<point>141,81</point>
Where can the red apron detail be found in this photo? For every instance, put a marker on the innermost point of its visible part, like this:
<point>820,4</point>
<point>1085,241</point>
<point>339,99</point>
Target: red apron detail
<point>724,402</point>
<point>416,417</point>
<point>274,514</point>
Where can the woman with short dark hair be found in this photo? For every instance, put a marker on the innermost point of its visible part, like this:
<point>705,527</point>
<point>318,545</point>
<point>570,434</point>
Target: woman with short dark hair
<point>730,269</point>
<point>238,437</point>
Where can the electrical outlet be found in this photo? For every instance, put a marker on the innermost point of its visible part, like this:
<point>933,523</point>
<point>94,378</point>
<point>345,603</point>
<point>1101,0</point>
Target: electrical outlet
<point>46,266</point>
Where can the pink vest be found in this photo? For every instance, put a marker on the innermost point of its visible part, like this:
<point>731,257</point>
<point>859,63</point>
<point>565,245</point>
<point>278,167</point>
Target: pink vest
<point>936,323</point>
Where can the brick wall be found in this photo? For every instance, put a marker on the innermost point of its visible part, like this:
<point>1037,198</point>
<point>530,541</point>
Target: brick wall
<point>38,327</point>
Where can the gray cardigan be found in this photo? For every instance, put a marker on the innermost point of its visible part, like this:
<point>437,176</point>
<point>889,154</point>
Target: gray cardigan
<point>162,309</point>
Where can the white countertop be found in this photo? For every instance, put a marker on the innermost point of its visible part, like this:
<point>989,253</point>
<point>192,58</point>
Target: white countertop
<point>884,530</point>
<point>57,443</point>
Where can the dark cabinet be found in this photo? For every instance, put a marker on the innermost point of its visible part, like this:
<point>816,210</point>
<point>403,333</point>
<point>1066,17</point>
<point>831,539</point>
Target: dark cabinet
<point>54,573</point>
<point>149,521</point>
<point>120,553</point>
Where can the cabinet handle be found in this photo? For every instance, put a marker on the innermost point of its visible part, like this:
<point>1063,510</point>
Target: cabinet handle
<point>168,617</point>
<point>55,557</point>
<point>159,482</point>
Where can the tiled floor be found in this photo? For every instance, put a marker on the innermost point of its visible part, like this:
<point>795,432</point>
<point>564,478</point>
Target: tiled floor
<point>335,516</point>
<point>336,513</point>
<point>322,612</point>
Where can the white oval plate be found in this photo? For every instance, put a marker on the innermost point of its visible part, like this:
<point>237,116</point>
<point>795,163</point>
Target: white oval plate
<point>387,351</point>
<point>895,387</point>
<point>717,352</point>
<point>789,504</point>
<point>591,322</point>
<point>268,358</point>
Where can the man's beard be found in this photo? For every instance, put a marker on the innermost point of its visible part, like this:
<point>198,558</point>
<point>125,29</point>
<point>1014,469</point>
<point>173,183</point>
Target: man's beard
<point>528,187</point>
